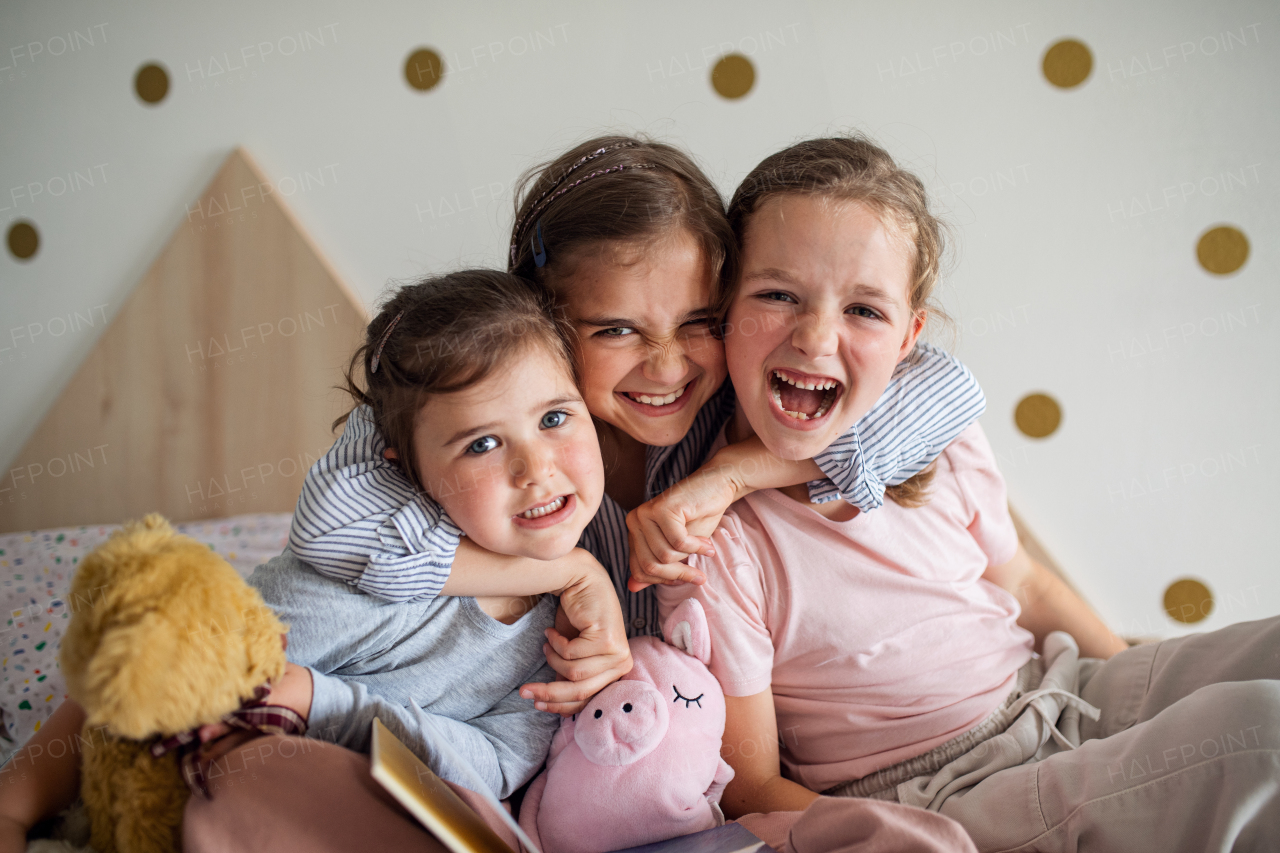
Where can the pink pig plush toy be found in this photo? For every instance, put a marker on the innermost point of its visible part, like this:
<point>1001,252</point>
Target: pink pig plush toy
<point>641,762</point>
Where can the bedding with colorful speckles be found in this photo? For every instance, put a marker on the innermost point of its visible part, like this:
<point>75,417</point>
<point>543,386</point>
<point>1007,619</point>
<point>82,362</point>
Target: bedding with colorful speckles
<point>35,576</point>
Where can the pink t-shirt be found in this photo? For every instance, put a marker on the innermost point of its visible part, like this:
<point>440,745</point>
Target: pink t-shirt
<point>878,635</point>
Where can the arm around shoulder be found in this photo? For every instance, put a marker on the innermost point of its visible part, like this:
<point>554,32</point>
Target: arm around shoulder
<point>931,399</point>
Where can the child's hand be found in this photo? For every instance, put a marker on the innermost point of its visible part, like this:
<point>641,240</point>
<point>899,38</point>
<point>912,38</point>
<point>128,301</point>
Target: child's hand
<point>676,524</point>
<point>293,690</point>
<point>588,647</point>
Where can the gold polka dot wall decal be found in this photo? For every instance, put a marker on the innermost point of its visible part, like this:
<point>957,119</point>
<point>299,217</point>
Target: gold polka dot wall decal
<point>733,76</point>
<point>424,69</point>
<point>23,240</point>
<point>1067,63</point>
<point>1037,415</point>
<point>1188,601</point>
<point>151,83</point>
<point>1222,250</point>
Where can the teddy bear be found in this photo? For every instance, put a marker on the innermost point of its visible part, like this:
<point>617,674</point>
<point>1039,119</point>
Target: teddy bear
<point>164,637</point>
<point>641,762</point>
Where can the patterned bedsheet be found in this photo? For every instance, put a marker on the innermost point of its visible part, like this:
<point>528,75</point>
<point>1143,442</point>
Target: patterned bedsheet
<point>35,575</point>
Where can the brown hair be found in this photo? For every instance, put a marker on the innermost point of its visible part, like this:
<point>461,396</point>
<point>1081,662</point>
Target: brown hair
<point>450,332</point>
<point>850,168</point>
<point>613,189</point>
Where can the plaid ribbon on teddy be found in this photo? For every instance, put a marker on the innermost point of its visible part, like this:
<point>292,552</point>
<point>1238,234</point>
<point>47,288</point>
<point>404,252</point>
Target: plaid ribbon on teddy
<point>253,715</point>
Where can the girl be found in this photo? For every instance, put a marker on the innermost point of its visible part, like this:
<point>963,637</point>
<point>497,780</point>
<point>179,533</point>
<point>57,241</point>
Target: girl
<point>886,656</point>
<point>479,401</point>
<point>631,238</point>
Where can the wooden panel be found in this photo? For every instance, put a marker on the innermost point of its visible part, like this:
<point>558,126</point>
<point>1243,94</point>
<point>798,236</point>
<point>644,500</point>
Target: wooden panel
<point>211,392</point>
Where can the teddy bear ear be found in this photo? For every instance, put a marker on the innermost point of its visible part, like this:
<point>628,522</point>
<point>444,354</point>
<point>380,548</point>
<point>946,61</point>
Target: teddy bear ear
<point>686,629</point>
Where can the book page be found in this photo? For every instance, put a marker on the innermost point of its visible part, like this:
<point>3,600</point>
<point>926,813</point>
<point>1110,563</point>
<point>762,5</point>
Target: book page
<point>428,798</point>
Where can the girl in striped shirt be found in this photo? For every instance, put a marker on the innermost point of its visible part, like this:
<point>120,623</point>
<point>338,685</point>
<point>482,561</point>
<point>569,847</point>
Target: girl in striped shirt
<point>631,237</point>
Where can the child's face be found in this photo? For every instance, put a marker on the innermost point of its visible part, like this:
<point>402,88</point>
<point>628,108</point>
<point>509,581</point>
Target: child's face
<point>514,459</point>
<point>646,354</point>
<point>822,301</point>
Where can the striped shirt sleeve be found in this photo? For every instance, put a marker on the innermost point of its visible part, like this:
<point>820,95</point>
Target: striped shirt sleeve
<point>361,521</point>
<point>931,399</point>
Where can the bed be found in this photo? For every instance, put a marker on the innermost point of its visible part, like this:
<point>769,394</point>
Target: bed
<point>206,398</point>
<point>35,570</point>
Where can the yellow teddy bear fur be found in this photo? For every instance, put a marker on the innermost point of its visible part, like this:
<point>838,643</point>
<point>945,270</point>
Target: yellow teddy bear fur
<point>164,637</point>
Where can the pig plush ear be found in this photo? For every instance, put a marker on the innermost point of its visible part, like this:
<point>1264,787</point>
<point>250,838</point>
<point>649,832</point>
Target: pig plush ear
<point>686,629</point>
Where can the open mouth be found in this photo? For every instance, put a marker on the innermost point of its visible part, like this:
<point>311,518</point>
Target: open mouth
<point>657,400</point>
<point>545,509</point>
<point>547,514</point>
<point>802,397</point>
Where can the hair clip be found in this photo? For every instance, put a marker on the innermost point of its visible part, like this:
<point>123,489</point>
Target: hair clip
<point>382,342</point>
<point>536,206</point>
<point>539,247</point>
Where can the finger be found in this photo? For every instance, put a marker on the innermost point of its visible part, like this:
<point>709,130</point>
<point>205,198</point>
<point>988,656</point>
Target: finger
<point>597,652</point>
<point>555,693</point>
<point>558,692</point>
<point>584,669</point>
<point>560,645</point>
<point>641,555</point>
<point>639,577</point>
<point>674,574</point>
<point>660,546</point>
<point>213,731</point>
<point>663,572</point>
<point>564,709</point>
<point>704,546</point>
<point>676,534</point>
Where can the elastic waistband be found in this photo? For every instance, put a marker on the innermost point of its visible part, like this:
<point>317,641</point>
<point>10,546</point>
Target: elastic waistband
<point>883,783</point>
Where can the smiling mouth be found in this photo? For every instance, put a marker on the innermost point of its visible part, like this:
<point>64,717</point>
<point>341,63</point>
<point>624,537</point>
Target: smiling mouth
<point>804,398</point>
<point>545,509</point>
<point>657,400</point>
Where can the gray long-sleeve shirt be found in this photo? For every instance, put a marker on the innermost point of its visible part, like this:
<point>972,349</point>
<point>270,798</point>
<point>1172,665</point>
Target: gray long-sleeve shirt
<point>427,669</point>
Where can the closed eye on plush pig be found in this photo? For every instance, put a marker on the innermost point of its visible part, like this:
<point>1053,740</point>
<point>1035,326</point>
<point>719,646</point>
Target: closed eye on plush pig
<point>687,700</point>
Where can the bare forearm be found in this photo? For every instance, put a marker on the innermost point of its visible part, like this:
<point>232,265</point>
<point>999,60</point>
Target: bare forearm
<point>43,777</point>
<point>480,573</point>
<point>752,467</point>
<point>772,795</point>
<point>1050,605</point>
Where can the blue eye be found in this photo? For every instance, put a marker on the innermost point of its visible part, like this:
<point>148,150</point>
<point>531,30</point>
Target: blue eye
<point>551,420</point>
<point>482,445</point>
<point>777,296</point>
<point>616,332</point>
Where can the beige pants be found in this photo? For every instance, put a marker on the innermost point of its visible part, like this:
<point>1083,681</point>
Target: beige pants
<point>1172,746</point>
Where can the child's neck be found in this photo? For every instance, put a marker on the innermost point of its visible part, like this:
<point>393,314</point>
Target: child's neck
<point>624,466</point>
<point>739,429</point>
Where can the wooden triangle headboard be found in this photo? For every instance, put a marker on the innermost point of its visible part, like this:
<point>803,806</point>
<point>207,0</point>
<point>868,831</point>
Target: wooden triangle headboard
<point>211,391</point>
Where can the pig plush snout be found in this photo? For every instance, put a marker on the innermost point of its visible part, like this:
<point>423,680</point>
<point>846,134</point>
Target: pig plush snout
<point>623,723</point>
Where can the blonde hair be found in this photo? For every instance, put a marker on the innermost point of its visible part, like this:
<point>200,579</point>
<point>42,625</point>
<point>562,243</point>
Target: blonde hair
<point>850,168</point>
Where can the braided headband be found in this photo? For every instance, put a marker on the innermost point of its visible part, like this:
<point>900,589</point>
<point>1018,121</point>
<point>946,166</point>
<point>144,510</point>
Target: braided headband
<point>551,193</point>
<point>382,342</point>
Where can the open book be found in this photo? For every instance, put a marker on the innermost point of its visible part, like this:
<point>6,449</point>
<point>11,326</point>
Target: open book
<point>459,828</point>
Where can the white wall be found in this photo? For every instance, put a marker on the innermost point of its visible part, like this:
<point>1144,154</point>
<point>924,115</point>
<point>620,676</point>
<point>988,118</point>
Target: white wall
<point>1078,210</point>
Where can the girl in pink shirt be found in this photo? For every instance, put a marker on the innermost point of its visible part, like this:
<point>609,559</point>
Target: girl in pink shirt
<point>891,654</point>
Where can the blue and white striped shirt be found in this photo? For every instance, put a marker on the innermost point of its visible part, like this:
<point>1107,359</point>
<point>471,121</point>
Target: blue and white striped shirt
<point>360,520</point>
